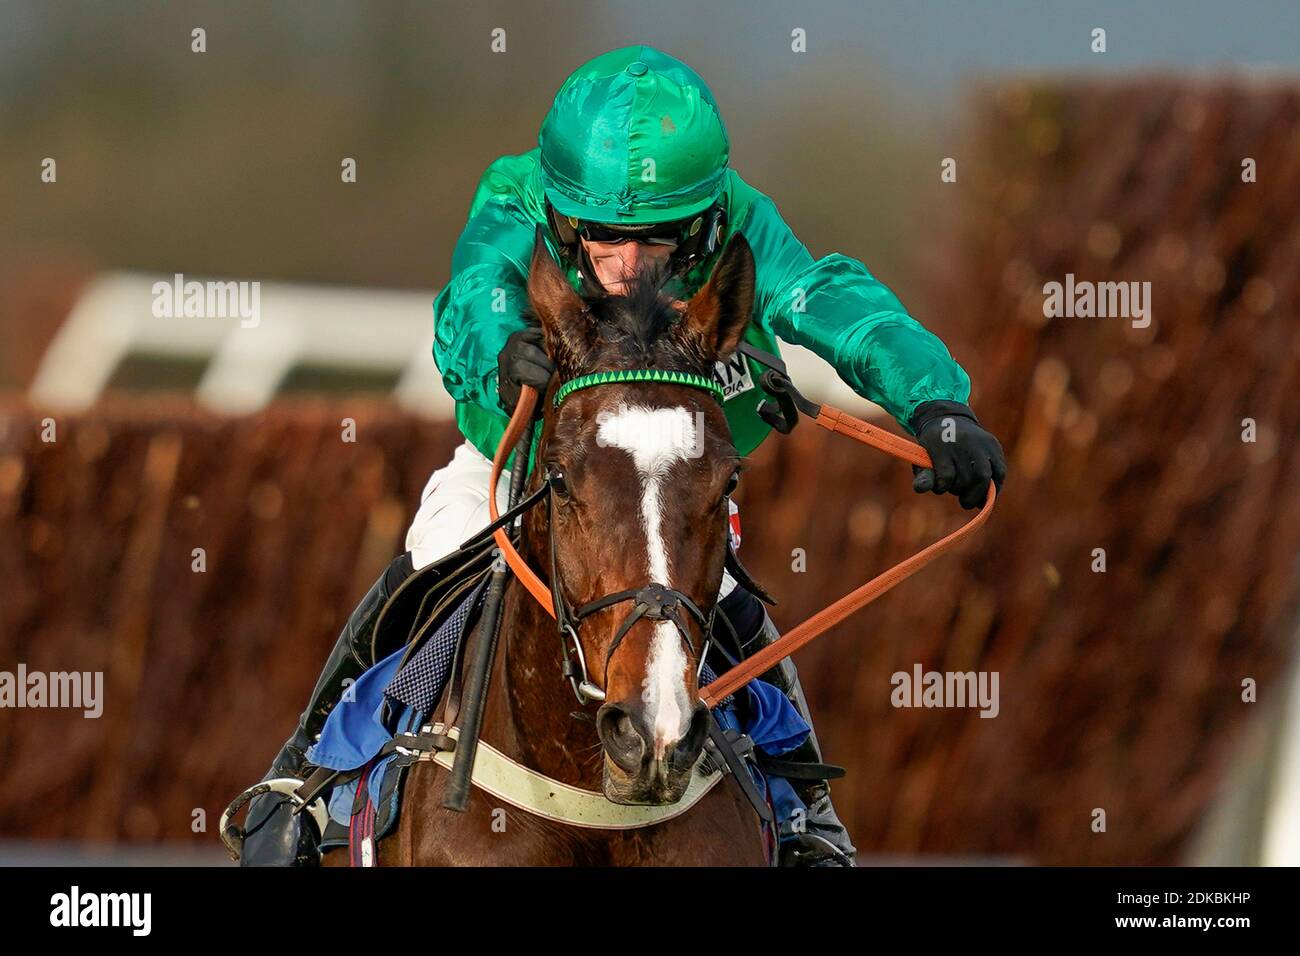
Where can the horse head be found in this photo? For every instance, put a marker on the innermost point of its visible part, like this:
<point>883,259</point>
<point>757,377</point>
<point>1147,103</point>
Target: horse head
<point>640,469</point>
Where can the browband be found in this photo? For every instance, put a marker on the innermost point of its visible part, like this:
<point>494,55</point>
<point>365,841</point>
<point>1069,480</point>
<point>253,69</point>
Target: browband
<point>638,375</point>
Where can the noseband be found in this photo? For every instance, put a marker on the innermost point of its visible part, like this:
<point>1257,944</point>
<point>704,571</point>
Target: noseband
<point>653,602</point>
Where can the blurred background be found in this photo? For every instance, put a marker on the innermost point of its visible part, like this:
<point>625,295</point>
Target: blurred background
<point>1125,690</point>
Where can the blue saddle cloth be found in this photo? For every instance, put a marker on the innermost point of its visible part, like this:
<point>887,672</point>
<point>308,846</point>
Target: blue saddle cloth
<point>392,698</point>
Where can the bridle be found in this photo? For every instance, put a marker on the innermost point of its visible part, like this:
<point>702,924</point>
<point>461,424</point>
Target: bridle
<point>781,412</point>
<point>651,602</point>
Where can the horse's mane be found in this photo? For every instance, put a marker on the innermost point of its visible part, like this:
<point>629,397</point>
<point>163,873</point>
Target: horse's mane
<point>633,327</point>
<point>640,310</point>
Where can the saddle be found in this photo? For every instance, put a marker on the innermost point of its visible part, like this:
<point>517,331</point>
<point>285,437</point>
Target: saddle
<point>420,604</point>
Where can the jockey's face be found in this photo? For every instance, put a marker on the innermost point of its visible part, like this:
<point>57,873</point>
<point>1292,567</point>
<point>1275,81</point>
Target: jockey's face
<point>616,262</point>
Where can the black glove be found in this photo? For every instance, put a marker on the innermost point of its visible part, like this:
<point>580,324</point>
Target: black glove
<point>964,463</point>
<point>523,361</point>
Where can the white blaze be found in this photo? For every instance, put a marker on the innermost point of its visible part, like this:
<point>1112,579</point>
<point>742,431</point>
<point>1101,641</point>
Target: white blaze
<point>656,438</point>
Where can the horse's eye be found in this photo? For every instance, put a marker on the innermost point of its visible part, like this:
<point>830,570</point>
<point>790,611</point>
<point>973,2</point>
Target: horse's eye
<point>555,475</point>
<point>732,482</point>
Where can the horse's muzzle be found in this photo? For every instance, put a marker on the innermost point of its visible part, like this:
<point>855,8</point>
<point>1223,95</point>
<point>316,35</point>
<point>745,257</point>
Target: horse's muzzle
<point>634,774</point>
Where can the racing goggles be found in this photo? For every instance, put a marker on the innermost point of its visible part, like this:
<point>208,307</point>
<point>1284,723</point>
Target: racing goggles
<point>671,234</point>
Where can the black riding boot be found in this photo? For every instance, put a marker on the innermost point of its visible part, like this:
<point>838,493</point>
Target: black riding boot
<point>275,836</point>
<point>819,839</point>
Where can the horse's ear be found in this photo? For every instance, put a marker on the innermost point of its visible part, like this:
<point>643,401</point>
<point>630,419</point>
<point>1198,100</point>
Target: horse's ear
<point>717,315</point>
<point>565,325</point>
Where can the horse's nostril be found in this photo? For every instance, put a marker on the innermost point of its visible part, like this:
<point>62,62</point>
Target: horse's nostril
<point>618,732</point>
<point>688,748</point>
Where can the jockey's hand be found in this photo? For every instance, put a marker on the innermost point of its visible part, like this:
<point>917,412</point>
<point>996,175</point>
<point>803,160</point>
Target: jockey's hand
<point>523,361</point>
<point>965,456</point>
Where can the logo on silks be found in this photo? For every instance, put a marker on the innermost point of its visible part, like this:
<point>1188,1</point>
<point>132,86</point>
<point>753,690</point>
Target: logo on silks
<point>733,376</point>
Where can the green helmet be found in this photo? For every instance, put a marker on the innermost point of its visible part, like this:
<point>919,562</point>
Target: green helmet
<point>634,136</point>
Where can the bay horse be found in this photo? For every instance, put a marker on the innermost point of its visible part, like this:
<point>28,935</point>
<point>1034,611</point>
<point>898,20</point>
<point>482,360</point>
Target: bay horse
<point>640,473</point>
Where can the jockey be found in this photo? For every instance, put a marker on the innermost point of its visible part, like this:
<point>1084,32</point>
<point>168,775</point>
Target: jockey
<point>632,173</point>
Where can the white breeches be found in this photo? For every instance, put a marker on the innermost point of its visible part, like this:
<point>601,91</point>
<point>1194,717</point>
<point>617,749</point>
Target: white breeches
<point>453,506</point>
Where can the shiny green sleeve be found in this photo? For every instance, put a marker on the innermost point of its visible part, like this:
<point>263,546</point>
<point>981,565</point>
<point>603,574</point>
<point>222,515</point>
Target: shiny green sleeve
<point>836,308</point>
<point>483,302</point>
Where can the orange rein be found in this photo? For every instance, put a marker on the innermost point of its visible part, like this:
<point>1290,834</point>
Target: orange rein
<point>520,420</point>
<point>832,419</point>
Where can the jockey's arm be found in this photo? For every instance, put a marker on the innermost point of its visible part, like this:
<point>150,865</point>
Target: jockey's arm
<point>484,301</point>
<point>836,308</point>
